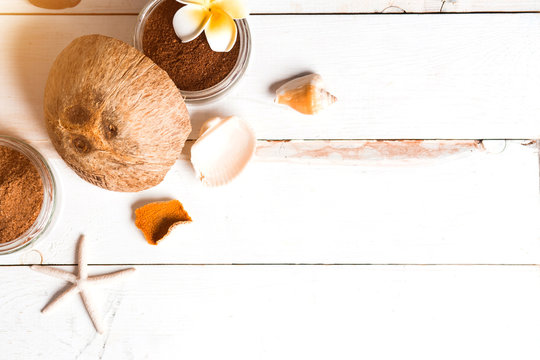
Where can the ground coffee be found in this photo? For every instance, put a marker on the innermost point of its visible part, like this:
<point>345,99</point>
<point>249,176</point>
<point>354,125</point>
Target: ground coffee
<point>193,65</point>
<point>21,194</point>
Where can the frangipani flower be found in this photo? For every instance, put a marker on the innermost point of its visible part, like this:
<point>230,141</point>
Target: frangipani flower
<point>215,17</point>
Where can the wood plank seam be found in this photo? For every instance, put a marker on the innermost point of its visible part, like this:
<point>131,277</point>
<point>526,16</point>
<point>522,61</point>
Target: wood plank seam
<point>299,6</point>
<point>280,264</point>
<point>294,14</point>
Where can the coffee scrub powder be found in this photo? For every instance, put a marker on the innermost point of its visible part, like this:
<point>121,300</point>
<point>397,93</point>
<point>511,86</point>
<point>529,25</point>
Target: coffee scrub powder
<point>21,194</point>
<point>193,66</point>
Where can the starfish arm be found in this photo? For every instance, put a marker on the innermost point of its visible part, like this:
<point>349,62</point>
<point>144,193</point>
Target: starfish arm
<point>89,305</point>
<point>81,257</point>
<point>57,300</point>
<point>116,275</point>
<point>57,273</point>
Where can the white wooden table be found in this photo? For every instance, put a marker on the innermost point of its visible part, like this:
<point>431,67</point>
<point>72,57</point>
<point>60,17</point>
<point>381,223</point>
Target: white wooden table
<point>332,244</point>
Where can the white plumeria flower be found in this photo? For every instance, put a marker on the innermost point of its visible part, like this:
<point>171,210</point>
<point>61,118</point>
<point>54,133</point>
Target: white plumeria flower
<point>216,17</point>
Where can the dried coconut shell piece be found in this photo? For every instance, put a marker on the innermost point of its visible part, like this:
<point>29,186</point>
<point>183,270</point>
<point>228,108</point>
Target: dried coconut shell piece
<point>157,220</point>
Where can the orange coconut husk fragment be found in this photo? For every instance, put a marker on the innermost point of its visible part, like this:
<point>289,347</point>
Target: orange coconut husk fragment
<point>156,220</point>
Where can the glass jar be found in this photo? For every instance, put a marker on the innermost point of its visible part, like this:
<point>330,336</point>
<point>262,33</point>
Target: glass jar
<point>40,226</point>
<point>225,85</point>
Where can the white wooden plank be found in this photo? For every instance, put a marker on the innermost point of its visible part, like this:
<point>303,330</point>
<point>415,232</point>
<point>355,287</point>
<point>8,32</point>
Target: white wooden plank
<point>457,77</point>
<point>295,6</point>
<point>391,6</point>
<point>84,7</point>
<point>321,203</point>
<point>420,76</point>
<point>283,312</point>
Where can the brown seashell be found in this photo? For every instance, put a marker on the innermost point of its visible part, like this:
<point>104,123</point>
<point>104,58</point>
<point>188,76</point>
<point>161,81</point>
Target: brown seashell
<point>113,115</point>
<point>305,94</point>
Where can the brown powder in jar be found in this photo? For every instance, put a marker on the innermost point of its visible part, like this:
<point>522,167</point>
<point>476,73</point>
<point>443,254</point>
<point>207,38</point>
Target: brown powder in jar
<point>193,66</point>
<point>21,194</point>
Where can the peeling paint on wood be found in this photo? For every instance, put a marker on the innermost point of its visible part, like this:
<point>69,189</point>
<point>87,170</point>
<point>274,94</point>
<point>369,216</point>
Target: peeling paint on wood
<point>530,143</point>
<point>354,151</point>
<point>366,150</point>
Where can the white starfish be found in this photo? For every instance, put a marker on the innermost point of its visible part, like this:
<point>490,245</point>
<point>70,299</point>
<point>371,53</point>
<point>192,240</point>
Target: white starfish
<point>79,283</point>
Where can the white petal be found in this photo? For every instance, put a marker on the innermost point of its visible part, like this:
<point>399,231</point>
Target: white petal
<point>190,21</point>
<point>195,2</point>
<point>221,31</point>
<point>237,9</point>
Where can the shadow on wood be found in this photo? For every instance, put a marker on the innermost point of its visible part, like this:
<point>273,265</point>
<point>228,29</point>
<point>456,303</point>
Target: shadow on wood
<point>31,60</point>
<point>199,117</point>
<point>276,85</point>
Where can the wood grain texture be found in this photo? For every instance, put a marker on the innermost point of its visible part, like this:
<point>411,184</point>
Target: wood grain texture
<point>300,6</point>
<point>282,312</point>
<point>420,76</point>
<point>300,201</point>
<point>321,201</point>
<point>325,206</point>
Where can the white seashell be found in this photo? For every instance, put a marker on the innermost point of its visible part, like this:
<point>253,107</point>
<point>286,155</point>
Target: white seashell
<point>305,94</point>
<point>223,150</point>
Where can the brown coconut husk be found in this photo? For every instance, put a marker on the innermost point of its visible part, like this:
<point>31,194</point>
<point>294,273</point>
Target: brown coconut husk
<point>113,115</point>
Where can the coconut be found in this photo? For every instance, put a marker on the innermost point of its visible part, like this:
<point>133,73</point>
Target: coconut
<point>113,115</point>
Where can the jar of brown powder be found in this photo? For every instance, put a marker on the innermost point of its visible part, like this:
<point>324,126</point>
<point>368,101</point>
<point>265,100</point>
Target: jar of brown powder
<point>27,195</point>
<point>201,74</point>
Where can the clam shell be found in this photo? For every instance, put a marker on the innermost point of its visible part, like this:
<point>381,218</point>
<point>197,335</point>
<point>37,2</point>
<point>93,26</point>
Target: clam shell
<point>223,150</point>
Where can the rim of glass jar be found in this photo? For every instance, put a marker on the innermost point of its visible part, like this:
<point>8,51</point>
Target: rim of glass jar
<point>224,86</point>
<point>48,207</point>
